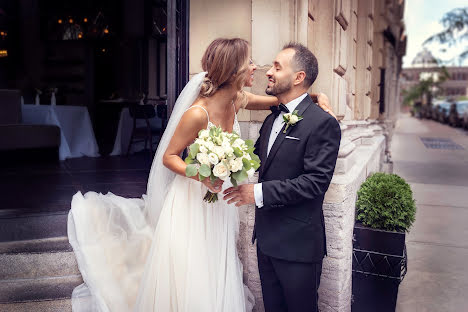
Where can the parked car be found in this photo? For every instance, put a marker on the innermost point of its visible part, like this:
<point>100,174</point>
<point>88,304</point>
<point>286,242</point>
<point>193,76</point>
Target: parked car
<point>465,120</point>
<point>434,112</point>
<point>443,112</point>
<point>461,112</point>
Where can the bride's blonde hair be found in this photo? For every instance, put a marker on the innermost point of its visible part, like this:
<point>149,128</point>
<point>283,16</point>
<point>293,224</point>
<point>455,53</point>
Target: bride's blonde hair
<point>226,63</point>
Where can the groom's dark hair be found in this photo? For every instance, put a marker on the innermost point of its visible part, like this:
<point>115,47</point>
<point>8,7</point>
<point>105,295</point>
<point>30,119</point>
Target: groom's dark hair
<point>304,60</point>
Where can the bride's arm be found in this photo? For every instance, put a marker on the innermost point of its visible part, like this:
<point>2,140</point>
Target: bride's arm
<point>262,102</point>
<point>186,132</point>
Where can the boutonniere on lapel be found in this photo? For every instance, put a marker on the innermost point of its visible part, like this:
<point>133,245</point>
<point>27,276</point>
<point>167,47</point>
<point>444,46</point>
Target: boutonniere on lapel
<point>291,119</point>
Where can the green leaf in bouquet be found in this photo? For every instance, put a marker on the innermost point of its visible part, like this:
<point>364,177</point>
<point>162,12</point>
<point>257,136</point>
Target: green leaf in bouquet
<point>249,143</point>
<point>255,157</point>
<point>215,131</point>
<point>233,181</point>
<point>191,170</point>
<point>240,176</point>
<point>255,164</point>
<point>205,170</point>
<point>250,150</point>
<point>194,150</point>
<point>238,152</point>
<point>188,160</point>
<point>246,163</point>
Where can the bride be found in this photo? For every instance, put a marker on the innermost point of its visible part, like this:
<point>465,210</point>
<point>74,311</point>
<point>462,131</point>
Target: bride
<point>170,251</point>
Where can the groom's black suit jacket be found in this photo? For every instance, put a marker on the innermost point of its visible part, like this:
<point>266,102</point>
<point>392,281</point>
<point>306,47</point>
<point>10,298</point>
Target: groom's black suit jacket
<point>295,176</point>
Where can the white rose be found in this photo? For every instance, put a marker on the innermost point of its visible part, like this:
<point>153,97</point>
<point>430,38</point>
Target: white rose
<point>218,150</point>
<point>238,143</point>
<point>228,150</point>
<point>250,172</point>
<point>221,171</point>
<point>227,147</point>
<point>236,164</point>
<point>293,119</point>
<point>203,149</point>
<point>210,145</point>
<point>225,144</point>
<point>247,156</point>
<point>200,142</point>
<point>203,159</point>
<point>230,155</point>
<point>204,134</point>
<point>288,116</point>
<point>213,158</point>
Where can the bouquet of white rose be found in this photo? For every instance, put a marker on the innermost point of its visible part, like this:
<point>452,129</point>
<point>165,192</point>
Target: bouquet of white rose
<point>216,154</point>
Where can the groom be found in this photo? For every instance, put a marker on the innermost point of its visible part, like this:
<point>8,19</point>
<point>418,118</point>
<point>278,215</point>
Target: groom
<point>297,164</point>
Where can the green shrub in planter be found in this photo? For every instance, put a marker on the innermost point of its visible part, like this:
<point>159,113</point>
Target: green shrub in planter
<point>385,202</point>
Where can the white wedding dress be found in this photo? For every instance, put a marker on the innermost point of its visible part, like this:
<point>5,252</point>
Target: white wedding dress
<point>168,251</point>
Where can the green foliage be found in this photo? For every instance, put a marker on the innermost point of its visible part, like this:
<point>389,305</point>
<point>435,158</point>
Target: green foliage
<point>424,87</point>
<point>204,171</point>
<point>246,163</point>
<point>385,202</point>
<point>455,31</point>
<point>191,170</point>
<point>194,148</point>
<point>240,175</point>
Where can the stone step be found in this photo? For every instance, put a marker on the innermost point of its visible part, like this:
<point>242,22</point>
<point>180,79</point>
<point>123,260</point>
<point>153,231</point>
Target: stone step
<point>15,226</point>
<point>37,258</point>
<point>61,305</point>
<point>39,289</point>
<point>53,244</point>
<point>35,265</point>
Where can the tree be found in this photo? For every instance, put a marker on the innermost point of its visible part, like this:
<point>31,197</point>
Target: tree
<point>428,86</point>
<point>455,31</point>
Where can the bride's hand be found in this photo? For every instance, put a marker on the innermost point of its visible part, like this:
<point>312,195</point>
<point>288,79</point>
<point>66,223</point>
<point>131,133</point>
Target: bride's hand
<point>322,101</point>
<point>213,187</point>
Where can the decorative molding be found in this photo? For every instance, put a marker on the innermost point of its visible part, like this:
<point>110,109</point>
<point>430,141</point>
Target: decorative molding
<point>342,21</point>
<point>340,70</point>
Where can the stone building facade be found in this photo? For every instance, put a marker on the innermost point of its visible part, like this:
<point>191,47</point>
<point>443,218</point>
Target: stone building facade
<point>359,45</point>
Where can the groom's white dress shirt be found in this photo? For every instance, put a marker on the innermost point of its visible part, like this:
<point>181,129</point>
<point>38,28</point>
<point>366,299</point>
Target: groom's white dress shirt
<point>277,126</point>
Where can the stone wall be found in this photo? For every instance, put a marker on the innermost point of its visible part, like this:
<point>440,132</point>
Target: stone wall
<point>348,38</point>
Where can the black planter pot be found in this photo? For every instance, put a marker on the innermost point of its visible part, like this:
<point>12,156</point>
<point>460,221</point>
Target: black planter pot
<point>379,265</point>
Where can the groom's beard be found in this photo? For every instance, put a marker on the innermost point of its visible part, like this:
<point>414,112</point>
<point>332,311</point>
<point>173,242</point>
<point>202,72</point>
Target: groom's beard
<point>279,87</point>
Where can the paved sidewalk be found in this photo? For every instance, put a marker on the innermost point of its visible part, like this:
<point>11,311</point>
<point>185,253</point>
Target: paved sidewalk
<point>433,158</point>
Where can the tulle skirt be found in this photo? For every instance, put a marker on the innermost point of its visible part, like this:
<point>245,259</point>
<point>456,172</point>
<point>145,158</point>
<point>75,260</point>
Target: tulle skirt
<point>188,263</point>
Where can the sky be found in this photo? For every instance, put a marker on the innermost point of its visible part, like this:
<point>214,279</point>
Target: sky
<point>422,19</point>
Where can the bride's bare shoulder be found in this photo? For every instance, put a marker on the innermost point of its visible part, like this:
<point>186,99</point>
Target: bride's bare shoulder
<point>196,113</point>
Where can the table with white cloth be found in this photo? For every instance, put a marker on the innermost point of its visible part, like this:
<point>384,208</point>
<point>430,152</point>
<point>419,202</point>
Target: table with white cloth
<point>124,132</point>
<point>76,132</point>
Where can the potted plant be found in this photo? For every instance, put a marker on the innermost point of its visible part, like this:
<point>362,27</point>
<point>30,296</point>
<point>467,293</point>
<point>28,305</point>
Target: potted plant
<point>385,210</point>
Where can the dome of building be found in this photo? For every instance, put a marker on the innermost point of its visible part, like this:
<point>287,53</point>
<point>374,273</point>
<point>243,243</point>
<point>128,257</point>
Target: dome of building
<point>424,59</point>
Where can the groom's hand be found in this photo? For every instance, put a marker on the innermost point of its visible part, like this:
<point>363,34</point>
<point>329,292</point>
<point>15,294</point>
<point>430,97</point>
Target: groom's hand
<point>240,195</point>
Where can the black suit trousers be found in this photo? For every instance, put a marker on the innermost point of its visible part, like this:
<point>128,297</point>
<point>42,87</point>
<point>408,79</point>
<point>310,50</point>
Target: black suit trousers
<point>289,286</point>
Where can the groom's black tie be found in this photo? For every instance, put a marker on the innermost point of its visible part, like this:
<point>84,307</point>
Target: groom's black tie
<point>276,110</point>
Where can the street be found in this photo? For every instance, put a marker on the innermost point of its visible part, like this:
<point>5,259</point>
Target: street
<point>433,158</point>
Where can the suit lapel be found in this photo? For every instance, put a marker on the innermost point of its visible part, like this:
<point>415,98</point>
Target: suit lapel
<point>301,108</point>
<point>265,136</point>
